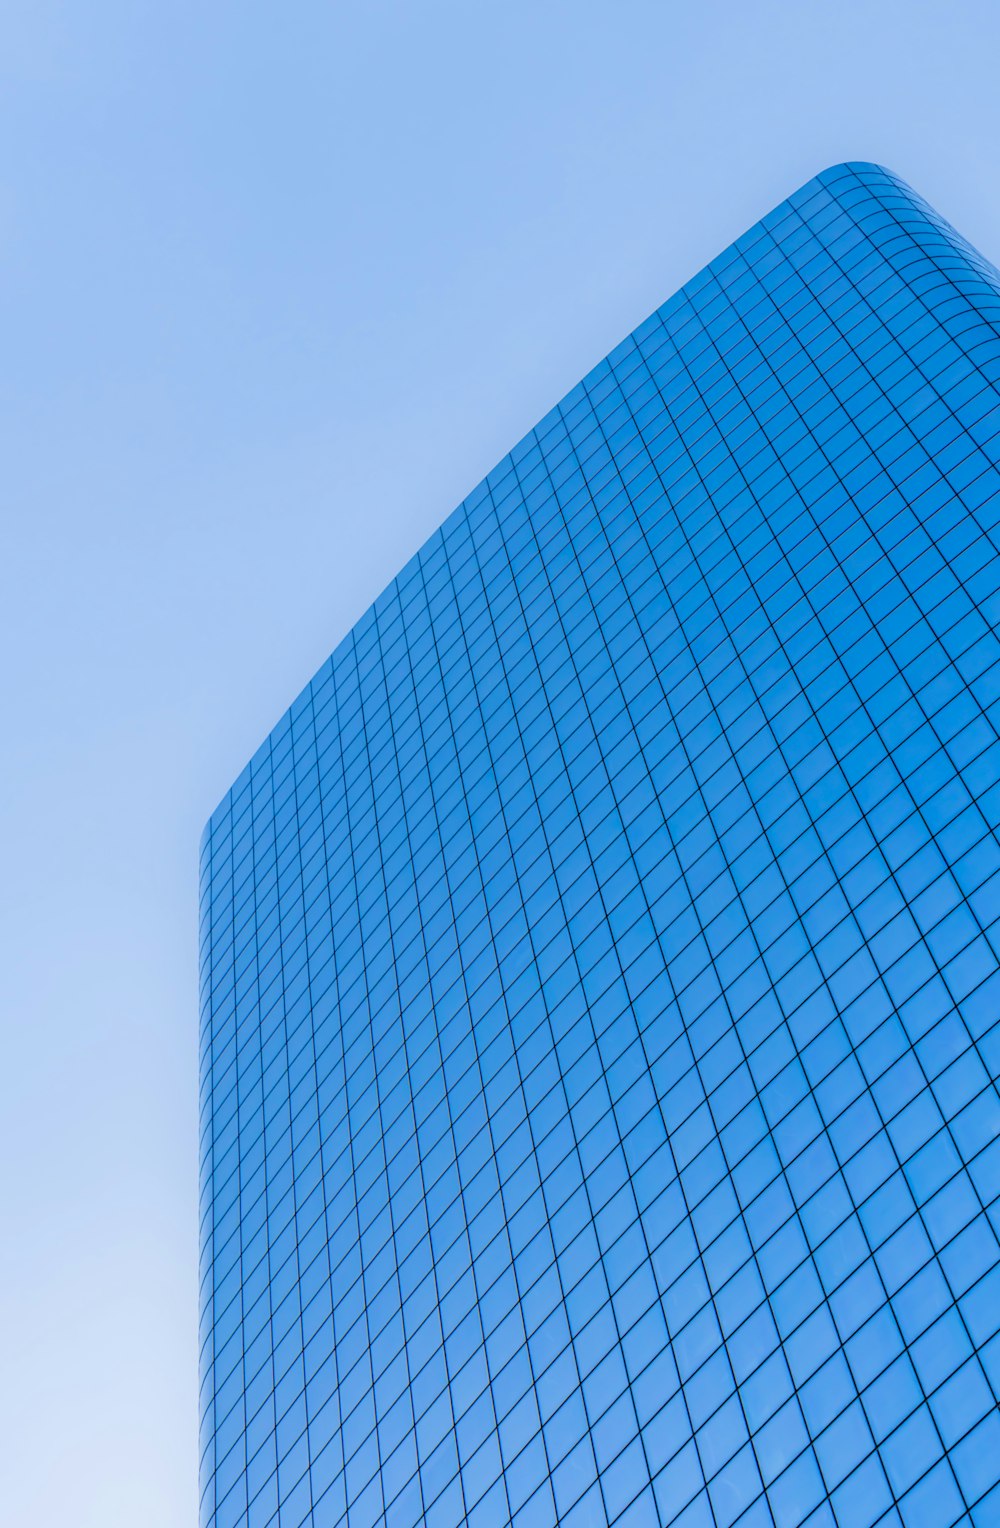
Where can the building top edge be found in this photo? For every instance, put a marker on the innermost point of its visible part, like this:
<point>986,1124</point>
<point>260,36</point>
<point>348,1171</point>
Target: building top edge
<point>861,173</point>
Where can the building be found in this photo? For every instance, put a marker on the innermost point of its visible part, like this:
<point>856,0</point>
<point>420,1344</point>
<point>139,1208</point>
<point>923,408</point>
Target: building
<point>600,959</point>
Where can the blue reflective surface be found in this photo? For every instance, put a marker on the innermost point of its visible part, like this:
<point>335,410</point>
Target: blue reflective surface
<point>600,998</point>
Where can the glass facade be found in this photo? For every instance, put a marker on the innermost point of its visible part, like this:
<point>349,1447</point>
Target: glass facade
<point>600,959</point>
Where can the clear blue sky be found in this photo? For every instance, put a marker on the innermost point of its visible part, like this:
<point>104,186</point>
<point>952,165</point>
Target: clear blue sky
<point>279,285</point>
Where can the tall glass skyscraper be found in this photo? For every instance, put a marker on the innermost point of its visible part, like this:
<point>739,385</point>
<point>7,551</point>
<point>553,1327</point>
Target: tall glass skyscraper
<point>601,1010</point>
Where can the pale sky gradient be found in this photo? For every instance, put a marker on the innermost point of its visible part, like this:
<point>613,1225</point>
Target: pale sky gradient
<point>280,283</point>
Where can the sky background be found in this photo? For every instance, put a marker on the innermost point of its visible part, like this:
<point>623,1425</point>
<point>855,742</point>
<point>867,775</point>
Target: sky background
<point>278,286</point>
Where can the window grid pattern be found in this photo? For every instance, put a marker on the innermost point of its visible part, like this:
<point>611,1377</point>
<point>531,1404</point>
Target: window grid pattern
<point>600,988</point>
